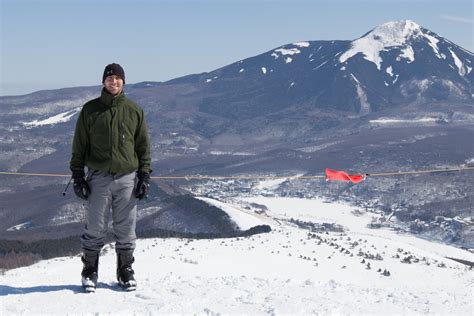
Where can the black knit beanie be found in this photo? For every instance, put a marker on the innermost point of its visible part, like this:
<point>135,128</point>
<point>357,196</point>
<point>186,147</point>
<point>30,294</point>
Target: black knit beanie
<point>113,69</point>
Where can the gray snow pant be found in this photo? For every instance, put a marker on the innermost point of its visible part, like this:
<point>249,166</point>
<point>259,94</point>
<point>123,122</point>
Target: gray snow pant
<point>110,194</point>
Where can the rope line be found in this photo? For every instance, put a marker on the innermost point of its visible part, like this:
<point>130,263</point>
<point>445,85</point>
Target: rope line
<point>35,174</point>
<point>204,177</point>
<point>418,172</point>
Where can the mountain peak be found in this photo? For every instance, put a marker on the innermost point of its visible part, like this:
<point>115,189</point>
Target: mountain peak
<point>398,34</point>
<point>395,32</point>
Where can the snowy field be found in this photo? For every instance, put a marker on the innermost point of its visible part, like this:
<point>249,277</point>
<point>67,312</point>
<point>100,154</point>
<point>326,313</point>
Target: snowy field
<point>287,271</point>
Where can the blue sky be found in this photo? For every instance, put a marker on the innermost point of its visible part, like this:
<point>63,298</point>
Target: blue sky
<point>54,44</point>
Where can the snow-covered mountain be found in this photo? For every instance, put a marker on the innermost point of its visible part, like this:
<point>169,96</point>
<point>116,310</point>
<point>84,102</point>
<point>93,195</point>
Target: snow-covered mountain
<point>299,268</point>
<point>395,64</point>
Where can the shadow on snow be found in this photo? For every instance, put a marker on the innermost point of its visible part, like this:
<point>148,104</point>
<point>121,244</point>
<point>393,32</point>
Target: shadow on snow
<point>76,289</point>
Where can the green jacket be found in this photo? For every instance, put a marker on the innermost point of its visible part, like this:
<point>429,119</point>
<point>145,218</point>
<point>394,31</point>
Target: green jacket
<point>111,136</point>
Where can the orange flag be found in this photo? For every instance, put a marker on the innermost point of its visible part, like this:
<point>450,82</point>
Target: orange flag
<point>343,176</point>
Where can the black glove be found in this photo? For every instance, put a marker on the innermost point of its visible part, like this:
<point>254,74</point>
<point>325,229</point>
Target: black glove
<point>81,187</point>
<point>143,185</point>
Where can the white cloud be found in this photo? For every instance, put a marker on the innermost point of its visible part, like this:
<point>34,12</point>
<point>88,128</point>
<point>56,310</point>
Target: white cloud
<point>459,19</point>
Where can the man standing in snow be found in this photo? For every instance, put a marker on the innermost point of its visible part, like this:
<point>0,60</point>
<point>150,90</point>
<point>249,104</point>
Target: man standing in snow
<point>111,140</point>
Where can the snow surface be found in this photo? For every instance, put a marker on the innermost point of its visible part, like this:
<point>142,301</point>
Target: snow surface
<point>318,210</point>
<point>244,220</point>
<point>462,70</point>
<point>355,78</point>
<point>320,65</point>
<point>287,271</point>
<point>59,118</point>
<point>285,51</point>
<point>364,104</point>
<point>270,184</point>
<point>301,44</point>
<point>388,35</point>
<point>396,78</point>
<point>408,54</point>
<point>403,121</point>
<point>312,149</point>
<point>24,225</point>
<point>231,153</point>
<point>433,42</point>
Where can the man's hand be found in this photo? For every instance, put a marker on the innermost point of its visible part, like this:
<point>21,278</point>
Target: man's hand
<point>81,187</point>
<point>143,185</point>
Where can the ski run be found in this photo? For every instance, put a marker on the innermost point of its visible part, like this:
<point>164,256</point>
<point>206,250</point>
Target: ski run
<point>293,270</point>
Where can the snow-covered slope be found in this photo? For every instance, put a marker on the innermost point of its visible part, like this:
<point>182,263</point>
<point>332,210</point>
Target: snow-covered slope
<point>55,119</point>
<point>244,220</point>
<point>287,271</point>
<point>400,35</point>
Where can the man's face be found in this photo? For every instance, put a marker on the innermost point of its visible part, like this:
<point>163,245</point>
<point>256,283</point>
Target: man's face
<point>113,84</point>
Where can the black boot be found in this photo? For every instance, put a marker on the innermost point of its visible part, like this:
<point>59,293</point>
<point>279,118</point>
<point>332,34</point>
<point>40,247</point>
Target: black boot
<point>90,271</point>
<point>125,272</point>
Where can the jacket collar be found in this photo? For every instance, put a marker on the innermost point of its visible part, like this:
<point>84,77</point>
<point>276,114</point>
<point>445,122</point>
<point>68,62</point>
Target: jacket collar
<point>111,100</point>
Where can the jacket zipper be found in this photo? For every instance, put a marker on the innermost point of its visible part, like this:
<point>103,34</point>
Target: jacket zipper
<point>122,133</point>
